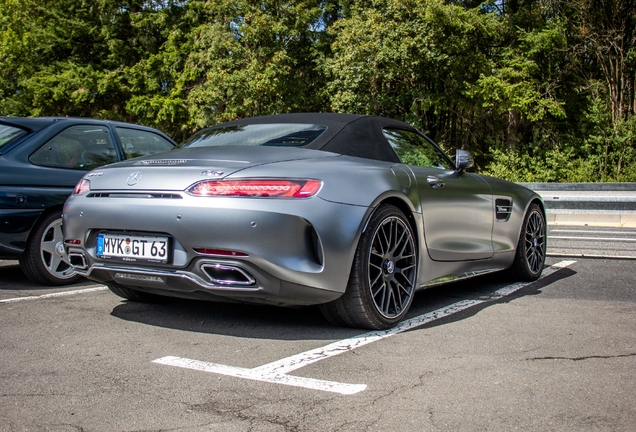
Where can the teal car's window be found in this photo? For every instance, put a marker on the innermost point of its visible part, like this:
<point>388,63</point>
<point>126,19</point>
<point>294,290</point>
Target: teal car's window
<point>279,135</point>
<point>415,149</point>
<point>77,147</point>
<point>141,143</point>
<point>9,134</point>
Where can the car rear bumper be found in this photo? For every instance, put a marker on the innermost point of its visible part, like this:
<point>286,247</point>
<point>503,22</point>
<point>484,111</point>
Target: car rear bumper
<point>296,252</point>
<point>265,289</point>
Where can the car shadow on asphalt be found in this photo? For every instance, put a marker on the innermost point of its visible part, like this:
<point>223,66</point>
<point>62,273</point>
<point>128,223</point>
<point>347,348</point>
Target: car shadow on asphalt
<point>306,323</point>
<point>234,319</point>
<point>477,289</point>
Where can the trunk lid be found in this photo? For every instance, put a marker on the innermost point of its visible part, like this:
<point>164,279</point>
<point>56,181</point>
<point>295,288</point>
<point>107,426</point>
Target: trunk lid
<point>176,170</point>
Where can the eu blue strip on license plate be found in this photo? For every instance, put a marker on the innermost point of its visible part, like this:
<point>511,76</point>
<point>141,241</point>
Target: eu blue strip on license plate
<point>100,244</point>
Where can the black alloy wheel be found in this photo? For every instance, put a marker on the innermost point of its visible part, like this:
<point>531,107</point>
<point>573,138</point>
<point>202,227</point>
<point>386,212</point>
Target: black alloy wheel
<point>532,246</point>
<point>390,273</point>
<point>383,277</point>
<point>535,242</point>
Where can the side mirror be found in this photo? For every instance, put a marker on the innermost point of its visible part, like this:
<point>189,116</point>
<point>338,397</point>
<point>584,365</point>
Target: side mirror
<point>463,160</point>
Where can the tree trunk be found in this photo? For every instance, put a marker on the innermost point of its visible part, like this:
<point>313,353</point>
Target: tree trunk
<point>512,135</point>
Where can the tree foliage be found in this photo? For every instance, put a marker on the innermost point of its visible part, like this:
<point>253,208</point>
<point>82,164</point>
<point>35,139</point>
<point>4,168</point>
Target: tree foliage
<point>538,90</point>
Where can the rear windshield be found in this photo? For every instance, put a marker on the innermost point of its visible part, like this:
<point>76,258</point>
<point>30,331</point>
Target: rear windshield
<point>279,135</point>
<point>9,134</point>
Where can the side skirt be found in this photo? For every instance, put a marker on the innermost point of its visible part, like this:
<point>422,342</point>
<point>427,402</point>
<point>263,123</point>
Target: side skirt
<point>457,277</point>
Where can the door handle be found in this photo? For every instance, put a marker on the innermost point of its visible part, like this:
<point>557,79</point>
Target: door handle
<point>435,182</point>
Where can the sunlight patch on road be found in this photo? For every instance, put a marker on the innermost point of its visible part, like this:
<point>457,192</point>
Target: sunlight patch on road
<point>277,372</point>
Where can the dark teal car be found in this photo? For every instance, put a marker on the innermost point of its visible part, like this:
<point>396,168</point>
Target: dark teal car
<point>41,160</point>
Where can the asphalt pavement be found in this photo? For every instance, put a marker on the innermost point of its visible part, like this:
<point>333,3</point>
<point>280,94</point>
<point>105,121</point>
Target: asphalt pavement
<point>592,241</point>
<point>483,354</point>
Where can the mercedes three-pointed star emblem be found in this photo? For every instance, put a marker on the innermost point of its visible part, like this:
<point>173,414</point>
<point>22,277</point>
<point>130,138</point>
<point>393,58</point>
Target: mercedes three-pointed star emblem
<point>134,178</point>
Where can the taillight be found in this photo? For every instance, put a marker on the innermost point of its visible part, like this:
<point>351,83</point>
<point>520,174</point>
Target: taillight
<point>261,188</point>
<point>222,252</point>
<point>82,187</point>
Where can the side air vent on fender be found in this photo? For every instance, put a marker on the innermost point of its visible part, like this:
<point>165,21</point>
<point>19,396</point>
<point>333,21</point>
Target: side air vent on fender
<point>503,209</point>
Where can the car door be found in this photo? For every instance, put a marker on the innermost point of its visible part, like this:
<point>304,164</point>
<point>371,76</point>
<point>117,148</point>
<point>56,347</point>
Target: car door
<point>457,207</point>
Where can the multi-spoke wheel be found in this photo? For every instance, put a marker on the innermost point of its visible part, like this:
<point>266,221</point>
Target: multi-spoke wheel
<point>44,260</point>
<point>531,249</point>
<point>383,277</point>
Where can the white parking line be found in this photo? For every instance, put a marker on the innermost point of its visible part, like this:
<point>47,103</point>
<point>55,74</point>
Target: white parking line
<point>57,294</point>
<point>277,371</point>
<point>613,239</point>
<point>591,232</point>
<point>586,255</point>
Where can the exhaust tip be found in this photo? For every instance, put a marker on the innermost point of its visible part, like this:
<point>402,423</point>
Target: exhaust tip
<point>77,260</point>
<point>227,275</point>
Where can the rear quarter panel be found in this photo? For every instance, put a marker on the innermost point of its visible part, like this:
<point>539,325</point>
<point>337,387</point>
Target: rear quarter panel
<point>346,180</point>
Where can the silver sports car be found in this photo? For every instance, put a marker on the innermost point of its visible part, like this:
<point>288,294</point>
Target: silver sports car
<point>350,212</point>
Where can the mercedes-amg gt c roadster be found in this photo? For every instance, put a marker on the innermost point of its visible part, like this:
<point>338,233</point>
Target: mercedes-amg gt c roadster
<point>350,212</point>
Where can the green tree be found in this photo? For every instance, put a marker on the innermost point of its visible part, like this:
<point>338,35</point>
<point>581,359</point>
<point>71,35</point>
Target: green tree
<point>419,61</point>
<point>538,90</point>
<point>73,57</point>
<point>606,52</point>
<point>251,58</point>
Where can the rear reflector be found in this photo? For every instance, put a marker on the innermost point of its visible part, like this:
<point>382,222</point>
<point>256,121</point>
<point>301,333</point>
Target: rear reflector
<point>222,252</point>
<point>262,188</point>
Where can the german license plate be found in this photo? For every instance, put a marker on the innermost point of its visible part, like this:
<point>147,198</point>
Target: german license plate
<point>133,247</point>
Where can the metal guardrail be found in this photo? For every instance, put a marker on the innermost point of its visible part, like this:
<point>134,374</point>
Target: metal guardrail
<point>587,197</point>
<point>581,187</point>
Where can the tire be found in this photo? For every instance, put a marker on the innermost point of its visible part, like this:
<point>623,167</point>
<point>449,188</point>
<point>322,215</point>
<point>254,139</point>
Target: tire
<point>383,276</point>
<point>44,260</point>
<point>134,295</point>
<point>531,248</point>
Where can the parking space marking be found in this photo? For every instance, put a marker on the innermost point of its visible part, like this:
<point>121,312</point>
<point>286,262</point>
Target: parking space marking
<point>254,374</point>
<point>277,372</point>
<point>605,239</point>
<point>57,294</point>
<point>591,232</point>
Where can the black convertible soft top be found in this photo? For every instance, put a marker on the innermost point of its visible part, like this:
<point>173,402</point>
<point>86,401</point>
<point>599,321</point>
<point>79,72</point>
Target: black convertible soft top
<point>347,134</point>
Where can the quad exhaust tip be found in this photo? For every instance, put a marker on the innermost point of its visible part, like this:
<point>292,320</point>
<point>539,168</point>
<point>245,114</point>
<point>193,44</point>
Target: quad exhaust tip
<point>77,260</point>
<point>222,274</point>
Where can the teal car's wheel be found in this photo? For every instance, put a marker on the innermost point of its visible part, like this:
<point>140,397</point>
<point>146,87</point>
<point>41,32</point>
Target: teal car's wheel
<point>44,260</point>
